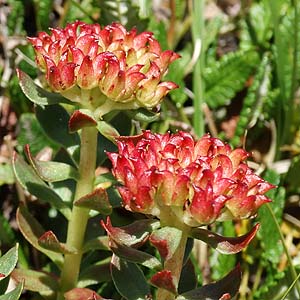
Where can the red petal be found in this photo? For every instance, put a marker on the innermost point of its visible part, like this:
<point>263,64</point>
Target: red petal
<point>85,76</point>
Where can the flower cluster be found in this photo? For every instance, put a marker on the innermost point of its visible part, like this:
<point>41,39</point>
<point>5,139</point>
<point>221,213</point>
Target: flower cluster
<point>198,182</point>
<point>109,63</point>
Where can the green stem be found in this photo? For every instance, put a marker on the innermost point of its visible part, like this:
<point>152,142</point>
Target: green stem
<point>79,217</point>
<point>198,84</point>
<point>290,287</point>
<point>286,251</point>
<point>295,50</point>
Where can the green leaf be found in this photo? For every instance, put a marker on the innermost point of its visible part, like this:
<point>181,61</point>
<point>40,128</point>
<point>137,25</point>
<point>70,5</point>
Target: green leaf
<point>228,76</point>
<point>108,131</point>
<point>268,233</point>
<point>226,288</point>
<point>14,294</point>
<point>96,200</point>
<point>32,231</point>
<point>50,242</point>
<point>35,186</point>
<point>253,104</point>
<point>225,245</point>
<point>95,273</point>
<point>54,120</point>
<point>35,281</point>
<point>212,30</point>
<point>132,235</point>
<point>142,115</point>
<point>8,262</point>
<point>134,289</point>
<point>36,94</point>
<point>99,243</point>
<point>31,132</point>
<point>51,171</point>
<point>135,256</point>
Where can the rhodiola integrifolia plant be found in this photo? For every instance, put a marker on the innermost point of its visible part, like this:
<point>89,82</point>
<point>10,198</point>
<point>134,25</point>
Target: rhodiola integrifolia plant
<point>178,184</point>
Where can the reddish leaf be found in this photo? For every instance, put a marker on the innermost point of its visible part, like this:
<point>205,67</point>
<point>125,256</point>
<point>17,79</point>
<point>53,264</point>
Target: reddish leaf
<point>82,294</point>
<point>164,280</point>
<point>226,296</point>
<point>225,245</point>
<point>135,256</point>
<point>32,230</point>
<point>95,273</point>
<point>133,138</point>
<point>81,118</point>
<point>161,246</point>
<point>133,235</point>
<point>49,241</point>
<point>224,289</point>
<point>41,282</point>
<point>96,200</point>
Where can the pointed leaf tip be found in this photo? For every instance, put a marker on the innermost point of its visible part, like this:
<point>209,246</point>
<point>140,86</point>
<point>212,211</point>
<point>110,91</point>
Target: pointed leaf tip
<point>224,289</point>
<point>49,241</point>
<point>133,289</point>
<point>81,118</point>
<point>8,262</point>
<point>164,280</point>
<point>225,245</point>
<point>50,171</point>
<point>96,200</point>
<point>108,131</point>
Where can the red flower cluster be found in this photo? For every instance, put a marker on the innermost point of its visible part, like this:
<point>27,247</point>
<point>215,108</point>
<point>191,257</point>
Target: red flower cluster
<point>198,182</point>
<point>110,62</point>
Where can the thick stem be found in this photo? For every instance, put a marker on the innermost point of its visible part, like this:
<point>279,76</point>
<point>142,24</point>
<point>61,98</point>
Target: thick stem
<point>79,217</point>
<point>174,264</point>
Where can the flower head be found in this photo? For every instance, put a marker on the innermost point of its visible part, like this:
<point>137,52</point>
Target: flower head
<point>111,63</point>
<point>199,182</point>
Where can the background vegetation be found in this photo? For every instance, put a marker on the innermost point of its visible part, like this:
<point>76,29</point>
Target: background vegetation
<point>239,80</point>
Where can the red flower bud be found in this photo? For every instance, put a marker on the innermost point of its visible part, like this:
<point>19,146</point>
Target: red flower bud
<point>198,182</point>
<point>112,63</point>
